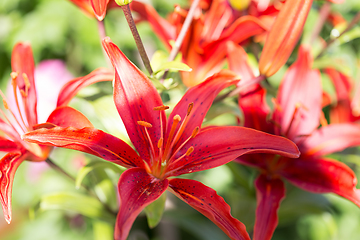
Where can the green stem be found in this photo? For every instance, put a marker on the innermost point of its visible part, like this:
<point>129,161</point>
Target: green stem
<point>135,33</point>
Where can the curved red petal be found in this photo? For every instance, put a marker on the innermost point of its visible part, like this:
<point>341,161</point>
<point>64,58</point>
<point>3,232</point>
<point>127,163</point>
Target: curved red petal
<point>99,7</point>
<point>202,97</point>
<point>8,165</point>
<point>7,145</point>
<point>22,63</point>
<point>68,117</point>
<point>89,140</point>
<point>71,88</point>
<point>255,110</point>
<point>341,83</point>
<point>269,193</point>
<point>331,138</point>
<point>137,189</point>
<point>135,98</point>
<point>209,203</point>
<point>300,98</point>
<point>219,145</point>
<point>323,176</point>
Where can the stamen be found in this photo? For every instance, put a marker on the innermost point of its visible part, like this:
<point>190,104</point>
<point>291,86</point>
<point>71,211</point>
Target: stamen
<point>176,121</point>
<point>144,124</point>
<point>323,120</point>
<point>159,108</point>
<point>195,132</point>
<point>26,80</point>
<point>14,75</point>
<point>147,167</point>
<point>189,151</point>
<point>160,142</point>
<point>297,107</point>
<point>6,106</point>
<point>190,107</point>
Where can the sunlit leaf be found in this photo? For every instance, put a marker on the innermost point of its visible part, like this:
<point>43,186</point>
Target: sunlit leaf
<point>154,211</point>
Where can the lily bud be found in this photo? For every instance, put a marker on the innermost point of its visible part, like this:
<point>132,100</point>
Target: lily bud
<point>240,5</point>
<point>123,2</point>
<point>284,35</point>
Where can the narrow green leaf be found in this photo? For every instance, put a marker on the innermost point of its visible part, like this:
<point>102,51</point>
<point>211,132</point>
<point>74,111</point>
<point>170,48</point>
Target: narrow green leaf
<point>76,202</point>
<point>155,210</point>
<point>106,192</point>
<point>93,165</point>
<point>174,65</point>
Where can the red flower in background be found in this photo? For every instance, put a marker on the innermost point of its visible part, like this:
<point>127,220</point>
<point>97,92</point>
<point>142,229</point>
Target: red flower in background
<point>166,147</point>
<point>297,115</point>
<point>24,108</point>
<point>205,41</point>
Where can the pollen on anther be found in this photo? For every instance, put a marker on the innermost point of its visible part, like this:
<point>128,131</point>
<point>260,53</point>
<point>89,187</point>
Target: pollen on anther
<point>189,151</point>
<point>190,107</point>
<point>159,108</point>
<point>195,132</point>
<point>6,106</point>
<point>177,118</point>
<point>144,124</point>
<point>26,80</point>
<point>14,75</point>
<point>160,142</point>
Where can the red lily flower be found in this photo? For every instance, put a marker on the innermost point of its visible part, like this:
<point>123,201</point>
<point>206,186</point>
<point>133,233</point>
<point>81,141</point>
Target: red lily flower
<point>297,117</point>
<point>165,147</point>
<point>23,107</point>
<point>95,8</point>
<point>205,41</point>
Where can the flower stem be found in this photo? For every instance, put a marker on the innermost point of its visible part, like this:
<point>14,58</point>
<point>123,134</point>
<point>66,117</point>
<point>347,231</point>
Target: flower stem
<point>102,35</point>
<point>135,33</point>
<point>331,41</point>
<point>185,27</point>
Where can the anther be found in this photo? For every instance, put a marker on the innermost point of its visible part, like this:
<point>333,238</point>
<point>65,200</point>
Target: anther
<point>5,104</point>
<point>195,131</point>
<point>26,80</point>
<point>14,75</point>
<point>189,151</point>
<point>190,107</point>
<point>177,118</point>
<point>159,108</point>
<point>144,124</point>
<point>160,142</point>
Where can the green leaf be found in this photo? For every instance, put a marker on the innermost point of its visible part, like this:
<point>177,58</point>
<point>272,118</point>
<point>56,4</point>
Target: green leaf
<point>154,211</point>
<point>103,230</point>
<point>174,66</point>
<point>105,190</point>
<point>76,202</point>
<point>93,165</point>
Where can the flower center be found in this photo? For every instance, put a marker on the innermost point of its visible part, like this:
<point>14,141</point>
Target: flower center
<point>168,150</point>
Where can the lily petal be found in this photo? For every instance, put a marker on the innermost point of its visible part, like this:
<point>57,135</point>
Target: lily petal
<point>99,7</point>
<point>8,165</point>
<point>341,83</point>
<point>71,88</point>
<point>331,138</point>
<point>269,194</point>
<point>219,145</point>
<point>323,176</point>
<point>88,140</point>
<point>135,98</point>
<point>209,203</point>
<point>256,110</point>
<point>85,6</point>
<point>7,145</point>
<point>300,98</point>
<point>22,63</point>
<point>68,117</point>
<point>137,189</point>
<point>284,35</point>
<point>202,97</point>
